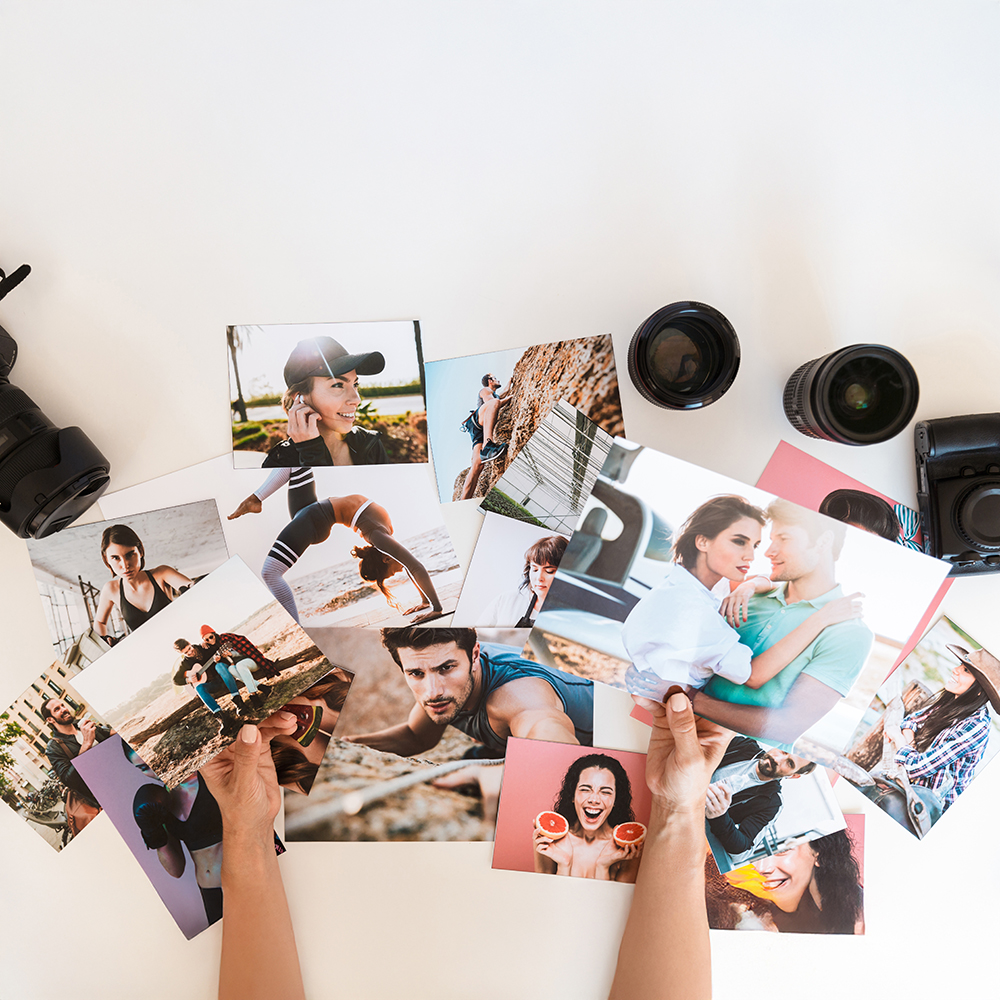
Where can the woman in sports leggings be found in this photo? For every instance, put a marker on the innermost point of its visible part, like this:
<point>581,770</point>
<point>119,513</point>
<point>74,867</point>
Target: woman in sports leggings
<point>312,522</point>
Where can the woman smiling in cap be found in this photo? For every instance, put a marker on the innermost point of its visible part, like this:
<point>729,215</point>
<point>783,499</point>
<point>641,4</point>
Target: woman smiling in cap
<point>322,401</point>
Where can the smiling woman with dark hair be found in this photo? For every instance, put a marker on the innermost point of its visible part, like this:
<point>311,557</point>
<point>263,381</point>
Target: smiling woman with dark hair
<point>595,796</point>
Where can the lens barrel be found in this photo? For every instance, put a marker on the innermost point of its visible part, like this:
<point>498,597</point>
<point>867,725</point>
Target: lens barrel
<point>858,395</point>
<point>686,355</point>
<point>48,476</point>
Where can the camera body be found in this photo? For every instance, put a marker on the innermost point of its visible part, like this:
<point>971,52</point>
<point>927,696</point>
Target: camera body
<point>958,490</point>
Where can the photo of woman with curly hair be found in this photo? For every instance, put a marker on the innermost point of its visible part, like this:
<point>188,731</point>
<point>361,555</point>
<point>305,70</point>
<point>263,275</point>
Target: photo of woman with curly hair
<point>595,796</point>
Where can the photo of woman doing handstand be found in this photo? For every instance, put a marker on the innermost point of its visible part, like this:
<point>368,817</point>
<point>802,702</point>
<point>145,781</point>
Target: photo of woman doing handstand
<point>941,744</point>
<point>595,797</point>
<point>382,558</point>
<point>519,608</point>
<point>682,632</point>
<point>813,888</point>
<point>138,592</point>
<point>322,401</point>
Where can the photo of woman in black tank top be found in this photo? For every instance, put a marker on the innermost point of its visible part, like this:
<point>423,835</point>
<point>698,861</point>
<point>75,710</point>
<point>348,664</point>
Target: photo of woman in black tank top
<point>137,592</point>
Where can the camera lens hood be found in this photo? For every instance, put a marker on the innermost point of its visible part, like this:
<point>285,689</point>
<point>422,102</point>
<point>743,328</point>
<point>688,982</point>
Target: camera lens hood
<point>685,356</point>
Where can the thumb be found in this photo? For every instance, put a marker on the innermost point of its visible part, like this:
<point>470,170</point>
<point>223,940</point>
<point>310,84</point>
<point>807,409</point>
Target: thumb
<point>680,719</point>
<point>246,755</point>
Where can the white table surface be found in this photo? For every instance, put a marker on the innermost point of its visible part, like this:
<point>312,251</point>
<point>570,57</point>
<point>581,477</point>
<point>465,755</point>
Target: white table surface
<point>508,173</point>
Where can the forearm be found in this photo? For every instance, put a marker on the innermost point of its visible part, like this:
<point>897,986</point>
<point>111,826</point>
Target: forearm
<point>751,720</point>
<point>397,739</point>
<point>664,953</point>
<point>772,661</point>
<point>259,958</point>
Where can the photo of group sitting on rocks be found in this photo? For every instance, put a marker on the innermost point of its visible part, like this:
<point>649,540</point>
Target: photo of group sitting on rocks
<point>220,656</point>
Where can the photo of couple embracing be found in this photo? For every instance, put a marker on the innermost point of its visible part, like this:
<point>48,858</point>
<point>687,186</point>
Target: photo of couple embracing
<point>772,618</point>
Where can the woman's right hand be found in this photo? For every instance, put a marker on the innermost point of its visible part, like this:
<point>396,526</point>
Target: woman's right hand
<point>303,421</point>
<point>683,753</point>
<point>252,505</point>
<point>558,851</point>
<point>843,609</point>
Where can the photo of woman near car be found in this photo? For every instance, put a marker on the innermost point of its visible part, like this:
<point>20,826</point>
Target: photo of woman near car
<point>327,394</point>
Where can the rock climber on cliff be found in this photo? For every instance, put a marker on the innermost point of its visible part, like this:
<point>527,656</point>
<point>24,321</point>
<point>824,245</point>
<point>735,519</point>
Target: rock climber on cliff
<point>480,424</point>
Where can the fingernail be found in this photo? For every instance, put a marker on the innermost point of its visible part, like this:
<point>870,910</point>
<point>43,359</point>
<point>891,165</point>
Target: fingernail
<point>677,702</point>
<point>248,734</point>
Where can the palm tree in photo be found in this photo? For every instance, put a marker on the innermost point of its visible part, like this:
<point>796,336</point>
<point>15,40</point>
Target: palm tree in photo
<point>235,341</point>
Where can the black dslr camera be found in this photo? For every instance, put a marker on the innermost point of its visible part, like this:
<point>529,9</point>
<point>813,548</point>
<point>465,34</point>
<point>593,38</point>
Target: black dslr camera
<point>48,475</point>
<point>958,489</point>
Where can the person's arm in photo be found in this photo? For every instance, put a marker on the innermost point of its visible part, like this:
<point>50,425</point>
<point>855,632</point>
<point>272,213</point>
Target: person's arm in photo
<point>735,838</point>
<point>807,701</point>
<point>963,739</point>
<point>151,812</point>
<point>664,954</point>
<point>552,857</point>
<point>259,958</point>
<point>172,577</point>
<point>62,765</point>
<point>530,708</point>
<point>105,602</point>
<point>772,661</point>
<point>417,735</point>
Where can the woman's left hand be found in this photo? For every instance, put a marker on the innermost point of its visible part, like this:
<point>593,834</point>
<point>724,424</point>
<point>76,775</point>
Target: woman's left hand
<point>612,854</point>
<point>735,606</point>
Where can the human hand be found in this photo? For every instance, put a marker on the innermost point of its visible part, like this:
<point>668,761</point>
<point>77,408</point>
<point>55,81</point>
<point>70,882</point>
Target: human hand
<point>683,753</point>
<point>279,723</point>
<point>842,610</point>
<point>151,812</point>
<point>735,606</point>
<point>646,684</point>
<point>245,784</point>
<point>718,799</point>
<point>558,851</point>
<point>89,733</point>
<point>612,854</point>
<point>486,777</point>
<point>252,505</point>
<point>303,421</point>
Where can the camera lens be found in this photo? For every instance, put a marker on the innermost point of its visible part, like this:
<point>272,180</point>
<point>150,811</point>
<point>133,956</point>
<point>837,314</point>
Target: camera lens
<point>978,515</point>
<point>858,395</point>
<point>48,476</point>
<point>684,356</point>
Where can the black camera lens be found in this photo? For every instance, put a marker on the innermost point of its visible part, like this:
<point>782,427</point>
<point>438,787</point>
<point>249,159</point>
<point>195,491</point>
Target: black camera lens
<point>684,356</point>
<point>48,476</point>
<point>978,515</point>
<point>858,395</point>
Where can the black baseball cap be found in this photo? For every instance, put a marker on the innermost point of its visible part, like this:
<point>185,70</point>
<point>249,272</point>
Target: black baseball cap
<point>324,357</point>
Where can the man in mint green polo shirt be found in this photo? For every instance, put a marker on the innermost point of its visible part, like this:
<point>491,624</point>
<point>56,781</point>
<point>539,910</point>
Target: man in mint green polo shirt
<point>803,551</point>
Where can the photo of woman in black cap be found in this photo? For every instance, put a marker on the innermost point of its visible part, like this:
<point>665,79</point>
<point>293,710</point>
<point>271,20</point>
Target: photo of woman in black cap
<point>322,401</point>
<point>325,411</point>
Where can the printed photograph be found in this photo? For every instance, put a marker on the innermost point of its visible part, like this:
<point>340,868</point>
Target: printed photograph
<point>780,622</point>
<point>418,752</point>
<point>42,736</point>
<point>549,481</point>
<point>813,887</point>
<point>574,811</point>
<point>930,729</point>
<point>797,476</point>
<point>483,408</point>
<point>100,582</point>
<point>352,547</point>
<point>762,801</point>
<point>224,654</point>
<point>511,569</point>
<point>175,834</point>
<point>312,394</point>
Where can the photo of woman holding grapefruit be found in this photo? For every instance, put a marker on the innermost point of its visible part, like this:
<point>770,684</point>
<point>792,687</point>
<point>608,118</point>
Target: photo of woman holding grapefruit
<point>591,832</point>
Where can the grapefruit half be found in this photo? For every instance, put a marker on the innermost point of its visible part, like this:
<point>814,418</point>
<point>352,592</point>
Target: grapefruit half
<point>627,834</point>
<point>551,824</point>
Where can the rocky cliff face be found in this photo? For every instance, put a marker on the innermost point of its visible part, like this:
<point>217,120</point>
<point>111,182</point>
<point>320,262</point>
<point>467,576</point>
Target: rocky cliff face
<point>580,371</point>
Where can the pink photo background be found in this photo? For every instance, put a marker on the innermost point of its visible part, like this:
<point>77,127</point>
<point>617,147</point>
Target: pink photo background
<point>532,777</point>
